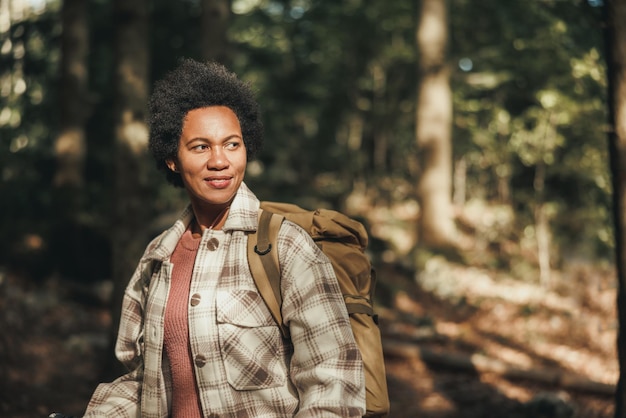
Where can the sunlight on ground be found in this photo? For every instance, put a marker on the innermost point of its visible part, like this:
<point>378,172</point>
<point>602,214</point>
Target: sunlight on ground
<point>535,323</point>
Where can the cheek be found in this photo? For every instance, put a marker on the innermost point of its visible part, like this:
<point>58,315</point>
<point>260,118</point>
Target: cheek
<point>196,164</point>
<point>242,163</point>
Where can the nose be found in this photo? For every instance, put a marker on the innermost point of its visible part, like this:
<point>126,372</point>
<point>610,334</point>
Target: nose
<point>217,159</point>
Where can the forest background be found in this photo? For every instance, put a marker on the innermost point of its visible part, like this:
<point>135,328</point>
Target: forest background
<point>470,137</point>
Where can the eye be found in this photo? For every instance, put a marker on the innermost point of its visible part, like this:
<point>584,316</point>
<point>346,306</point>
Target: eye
<point>200,147</point>
<point>232,145</point>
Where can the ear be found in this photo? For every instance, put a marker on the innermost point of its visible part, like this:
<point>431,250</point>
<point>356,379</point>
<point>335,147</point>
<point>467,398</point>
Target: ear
<point>171,164</point>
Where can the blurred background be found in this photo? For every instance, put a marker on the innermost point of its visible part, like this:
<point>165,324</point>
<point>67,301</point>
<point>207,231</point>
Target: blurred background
<point>470,137</point>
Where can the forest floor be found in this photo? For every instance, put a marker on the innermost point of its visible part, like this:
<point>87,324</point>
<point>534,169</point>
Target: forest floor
<point>459,343</point>
<point>464,344</point>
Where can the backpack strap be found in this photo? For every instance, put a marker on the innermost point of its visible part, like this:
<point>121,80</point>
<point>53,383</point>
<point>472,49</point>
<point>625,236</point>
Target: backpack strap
<point>264,265</point>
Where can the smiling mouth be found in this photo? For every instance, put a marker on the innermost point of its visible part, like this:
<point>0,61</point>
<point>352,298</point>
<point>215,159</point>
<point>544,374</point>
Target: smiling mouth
<point>219,182</point>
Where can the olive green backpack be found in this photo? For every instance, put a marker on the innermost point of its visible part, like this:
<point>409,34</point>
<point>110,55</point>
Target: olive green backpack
<point>344,241</point>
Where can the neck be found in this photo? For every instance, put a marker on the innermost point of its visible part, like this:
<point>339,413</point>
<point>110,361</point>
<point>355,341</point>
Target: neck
<point>210,218</point>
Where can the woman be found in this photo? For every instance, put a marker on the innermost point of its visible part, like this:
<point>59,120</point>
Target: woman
<point>195,333</point>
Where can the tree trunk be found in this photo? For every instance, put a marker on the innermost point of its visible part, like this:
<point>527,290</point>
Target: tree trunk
<point>615,15</point>
<point>215,19</point>
<point>460,182</point>
<point>133,174</point>
<point>380,120</point>
<point>542,225</point>
<point>433,127</point>
<point>69,146</point>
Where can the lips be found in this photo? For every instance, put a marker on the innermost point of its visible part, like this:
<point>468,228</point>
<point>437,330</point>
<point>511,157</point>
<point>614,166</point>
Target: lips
<point>219,182</point>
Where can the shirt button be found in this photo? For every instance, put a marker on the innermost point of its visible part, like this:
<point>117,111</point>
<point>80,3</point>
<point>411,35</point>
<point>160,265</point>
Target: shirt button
<point>212,244</point>
<point>195,299</point>
<point>200,360</point>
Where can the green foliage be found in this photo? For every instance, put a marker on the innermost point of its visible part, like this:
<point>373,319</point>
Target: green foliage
<point>535,98</point>
<point>330,87</point>
<point>28,64</point>
<point>337,84</point>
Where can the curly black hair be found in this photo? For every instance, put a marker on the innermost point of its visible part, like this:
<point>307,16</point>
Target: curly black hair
<point>193,85</point>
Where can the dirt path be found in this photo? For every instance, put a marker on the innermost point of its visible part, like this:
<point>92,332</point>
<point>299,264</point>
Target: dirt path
<point>52,346</point>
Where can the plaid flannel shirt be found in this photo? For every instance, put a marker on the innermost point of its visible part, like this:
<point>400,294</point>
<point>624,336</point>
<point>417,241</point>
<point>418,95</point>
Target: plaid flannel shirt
<point>243,366</point>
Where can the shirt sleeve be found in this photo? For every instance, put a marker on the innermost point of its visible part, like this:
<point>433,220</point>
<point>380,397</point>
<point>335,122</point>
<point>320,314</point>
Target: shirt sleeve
<point>122,397</point>
<point>326,366</point>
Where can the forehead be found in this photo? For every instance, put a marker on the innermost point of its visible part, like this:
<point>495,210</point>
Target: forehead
<point>211,118</point>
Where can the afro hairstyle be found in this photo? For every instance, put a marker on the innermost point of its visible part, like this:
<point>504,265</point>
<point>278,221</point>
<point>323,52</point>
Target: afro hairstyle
<point>193,85</point>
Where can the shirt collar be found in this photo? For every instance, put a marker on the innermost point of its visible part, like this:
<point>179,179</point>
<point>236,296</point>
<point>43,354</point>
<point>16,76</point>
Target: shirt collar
<point>242,216</point>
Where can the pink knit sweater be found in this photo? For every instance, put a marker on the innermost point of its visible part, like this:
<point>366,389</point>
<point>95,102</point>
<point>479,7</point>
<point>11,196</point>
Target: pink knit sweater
<point>185,399</point>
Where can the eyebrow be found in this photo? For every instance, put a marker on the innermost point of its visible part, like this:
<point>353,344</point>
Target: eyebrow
<point>204,138</point>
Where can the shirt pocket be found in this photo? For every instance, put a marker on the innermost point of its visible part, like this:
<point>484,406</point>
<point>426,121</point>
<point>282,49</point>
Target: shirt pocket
<point>251,345</point>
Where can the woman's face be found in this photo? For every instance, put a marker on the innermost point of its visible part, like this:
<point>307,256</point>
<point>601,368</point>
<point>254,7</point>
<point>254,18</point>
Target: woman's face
<point>211,156</point>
